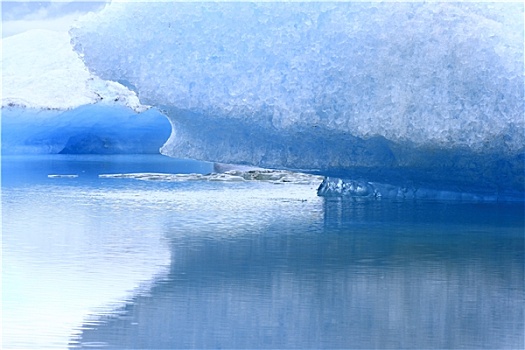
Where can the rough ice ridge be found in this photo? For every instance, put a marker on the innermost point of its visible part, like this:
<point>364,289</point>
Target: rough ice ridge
<point>424,93</point>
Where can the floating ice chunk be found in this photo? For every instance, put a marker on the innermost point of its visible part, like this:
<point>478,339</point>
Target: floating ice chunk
<point>428,95</point>
<point>271,176</point>
<point>62,176</point>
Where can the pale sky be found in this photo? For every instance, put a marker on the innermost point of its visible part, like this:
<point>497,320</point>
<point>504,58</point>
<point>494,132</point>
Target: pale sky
<point>20,16</point>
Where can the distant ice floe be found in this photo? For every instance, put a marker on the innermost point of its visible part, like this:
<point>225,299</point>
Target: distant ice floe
<point>271,176</point>
<point>62,176</point>
<point>52,104</point>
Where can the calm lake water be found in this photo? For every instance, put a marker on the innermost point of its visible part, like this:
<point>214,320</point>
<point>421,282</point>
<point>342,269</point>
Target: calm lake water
<point>118,263</point>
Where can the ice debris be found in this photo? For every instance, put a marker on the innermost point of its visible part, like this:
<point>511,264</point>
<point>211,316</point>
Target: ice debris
<point>266,175</point>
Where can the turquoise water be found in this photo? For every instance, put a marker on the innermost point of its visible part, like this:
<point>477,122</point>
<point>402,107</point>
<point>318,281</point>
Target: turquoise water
<point>120,263</point>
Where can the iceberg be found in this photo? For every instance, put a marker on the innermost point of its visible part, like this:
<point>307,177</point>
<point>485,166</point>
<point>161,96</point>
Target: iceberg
<point>52,104</point>
<point>423,95</point>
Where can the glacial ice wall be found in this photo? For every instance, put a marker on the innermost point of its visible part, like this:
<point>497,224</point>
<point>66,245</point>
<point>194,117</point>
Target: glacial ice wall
<point>424,94</point>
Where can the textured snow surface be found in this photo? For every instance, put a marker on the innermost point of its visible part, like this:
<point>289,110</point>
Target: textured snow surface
<point>425,93</point>
<point>41,70</point>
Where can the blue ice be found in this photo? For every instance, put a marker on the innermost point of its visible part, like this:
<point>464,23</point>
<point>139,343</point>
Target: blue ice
<point>88,129</point>
<point>411,94</point>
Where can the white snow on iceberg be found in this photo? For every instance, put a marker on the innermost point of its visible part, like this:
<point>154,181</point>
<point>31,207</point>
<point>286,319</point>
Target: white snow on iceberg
<point>424,94</point>
<point>52,104</point>
<point>41,70</point>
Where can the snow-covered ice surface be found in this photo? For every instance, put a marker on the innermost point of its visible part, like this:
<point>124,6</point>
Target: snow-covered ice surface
<point>52,104</point>
<point>41,70</point>
<point>410,94</point>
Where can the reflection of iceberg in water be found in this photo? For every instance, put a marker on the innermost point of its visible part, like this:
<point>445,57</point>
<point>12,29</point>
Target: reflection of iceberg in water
<point>359,277</point>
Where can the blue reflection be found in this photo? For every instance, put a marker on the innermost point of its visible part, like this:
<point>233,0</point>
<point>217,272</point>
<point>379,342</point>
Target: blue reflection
<point>369,274</point>
<point>257,265</point>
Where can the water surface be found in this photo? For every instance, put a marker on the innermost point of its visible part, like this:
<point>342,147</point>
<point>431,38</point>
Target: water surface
<point>122,263</point>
